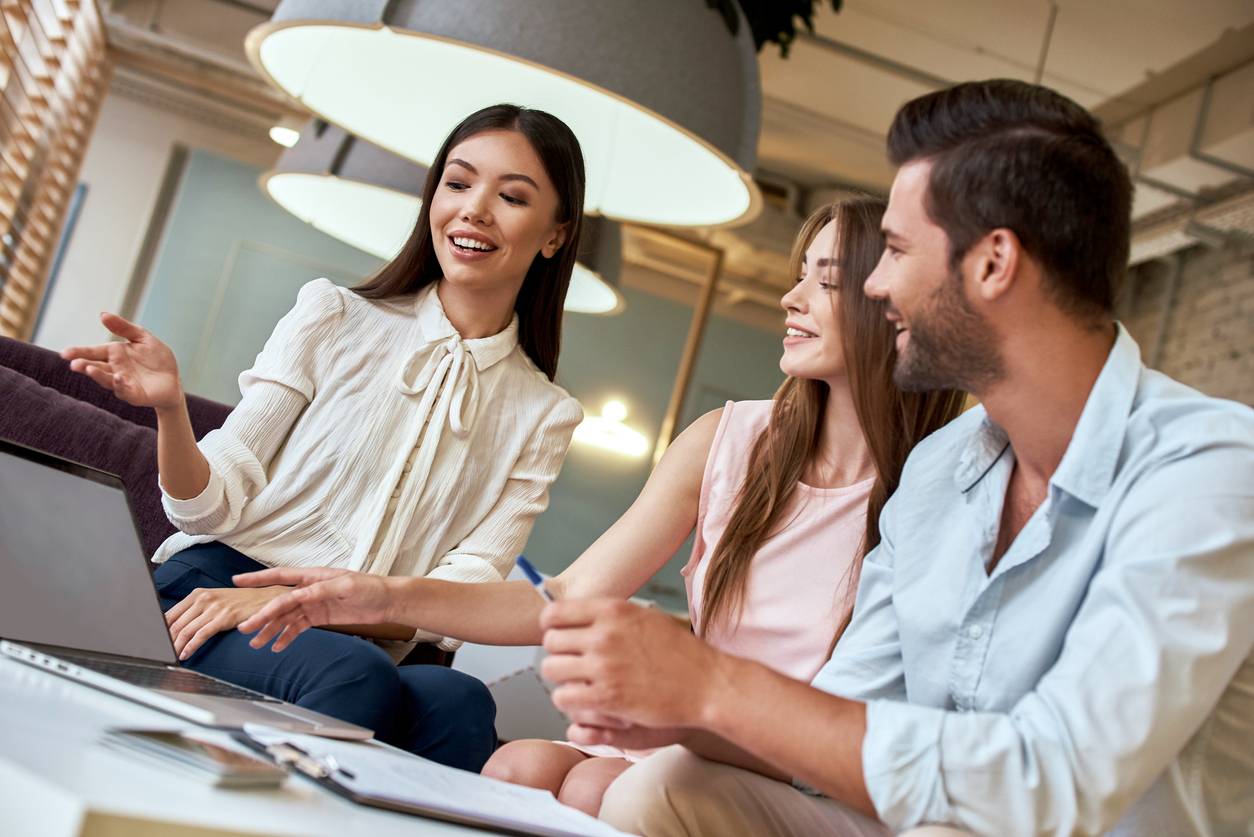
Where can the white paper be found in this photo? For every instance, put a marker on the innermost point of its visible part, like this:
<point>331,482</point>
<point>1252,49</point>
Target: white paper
<point>386,773</point>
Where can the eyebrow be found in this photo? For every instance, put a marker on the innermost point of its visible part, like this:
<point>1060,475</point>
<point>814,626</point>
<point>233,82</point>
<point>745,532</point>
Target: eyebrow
<point>457,161</point>
<point>889,232</point>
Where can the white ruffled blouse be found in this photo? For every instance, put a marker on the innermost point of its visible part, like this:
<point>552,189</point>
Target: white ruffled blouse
<point>371,436</point>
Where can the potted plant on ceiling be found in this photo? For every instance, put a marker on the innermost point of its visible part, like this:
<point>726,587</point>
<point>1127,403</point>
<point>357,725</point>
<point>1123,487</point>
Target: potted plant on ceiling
<point>771,21</point>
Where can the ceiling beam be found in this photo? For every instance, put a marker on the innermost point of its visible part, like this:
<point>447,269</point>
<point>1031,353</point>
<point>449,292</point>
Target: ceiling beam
<point>1232,49</point>
<point>875,60</point>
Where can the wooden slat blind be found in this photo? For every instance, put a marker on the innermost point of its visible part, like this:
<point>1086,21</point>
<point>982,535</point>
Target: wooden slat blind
<point>53,76</point>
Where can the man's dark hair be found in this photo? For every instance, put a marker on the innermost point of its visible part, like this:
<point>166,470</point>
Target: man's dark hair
<point>1015,155</point>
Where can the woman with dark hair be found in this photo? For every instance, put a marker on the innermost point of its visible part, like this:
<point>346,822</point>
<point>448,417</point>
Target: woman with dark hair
<point>408,427</point>
<point>784,495</point>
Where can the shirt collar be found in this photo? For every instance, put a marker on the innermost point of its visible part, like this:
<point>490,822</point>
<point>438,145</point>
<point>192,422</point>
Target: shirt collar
<point>981,451</point>
<point>435,326</point>
<point>1088,465</point>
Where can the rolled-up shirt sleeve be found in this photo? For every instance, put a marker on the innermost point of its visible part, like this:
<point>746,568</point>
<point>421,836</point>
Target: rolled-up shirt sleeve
<point>275,391</point>
<point>1167,623</point>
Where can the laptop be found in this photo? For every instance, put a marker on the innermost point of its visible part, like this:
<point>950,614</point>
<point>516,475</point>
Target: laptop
<point>76,599</point>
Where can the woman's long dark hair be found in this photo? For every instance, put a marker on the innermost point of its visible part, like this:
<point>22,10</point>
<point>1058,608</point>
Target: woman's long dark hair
<point>892,421</point>
<point>539,303</point>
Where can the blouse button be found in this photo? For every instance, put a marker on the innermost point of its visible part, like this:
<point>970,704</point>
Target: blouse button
<point>409,466</point>
<point>396,494</point>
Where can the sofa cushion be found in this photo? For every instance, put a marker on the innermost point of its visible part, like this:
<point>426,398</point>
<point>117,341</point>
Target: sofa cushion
<point>42,418</point>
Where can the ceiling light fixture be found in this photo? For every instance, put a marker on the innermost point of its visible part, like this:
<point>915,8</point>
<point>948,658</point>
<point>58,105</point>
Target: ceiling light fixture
<point>665,101</point>
<point>369,198</point>
<point>284,136</point>
<point>608,432</point>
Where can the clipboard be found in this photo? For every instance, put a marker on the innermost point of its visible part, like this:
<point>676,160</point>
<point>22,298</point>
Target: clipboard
<point>382,777</point>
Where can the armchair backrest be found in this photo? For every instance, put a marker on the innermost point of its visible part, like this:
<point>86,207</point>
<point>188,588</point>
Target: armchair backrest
<point>45,406</point>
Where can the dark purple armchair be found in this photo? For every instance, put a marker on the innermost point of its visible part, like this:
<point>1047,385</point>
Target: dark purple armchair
<point>43,405</point>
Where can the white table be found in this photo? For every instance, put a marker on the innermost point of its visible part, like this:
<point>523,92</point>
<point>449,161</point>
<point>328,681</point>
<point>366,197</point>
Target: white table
<point>56,779</point>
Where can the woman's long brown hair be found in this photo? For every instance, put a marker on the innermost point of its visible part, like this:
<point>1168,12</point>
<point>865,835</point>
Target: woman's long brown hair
<point>892,421</point>
<point>539,303</point>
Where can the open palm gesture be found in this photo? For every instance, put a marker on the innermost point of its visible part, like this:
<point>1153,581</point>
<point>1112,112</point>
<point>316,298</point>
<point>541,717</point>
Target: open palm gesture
<point>141,371</point>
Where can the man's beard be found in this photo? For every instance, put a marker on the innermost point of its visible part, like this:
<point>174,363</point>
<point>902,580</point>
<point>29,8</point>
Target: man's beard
<point>950,346</point>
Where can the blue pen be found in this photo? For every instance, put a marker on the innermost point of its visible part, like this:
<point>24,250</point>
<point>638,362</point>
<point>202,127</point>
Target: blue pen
<point>535,579</point>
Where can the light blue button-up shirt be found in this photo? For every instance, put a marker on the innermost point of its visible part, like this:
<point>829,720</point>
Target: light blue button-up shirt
<point>1102,677</point>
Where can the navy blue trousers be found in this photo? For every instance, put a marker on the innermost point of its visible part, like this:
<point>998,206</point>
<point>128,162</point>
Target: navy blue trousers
<point>432,711</point>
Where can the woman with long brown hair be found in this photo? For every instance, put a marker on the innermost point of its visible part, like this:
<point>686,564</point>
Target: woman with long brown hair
<point>357,427</point>
<point>785,497</point>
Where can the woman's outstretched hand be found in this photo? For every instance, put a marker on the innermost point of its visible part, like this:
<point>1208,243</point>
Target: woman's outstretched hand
<point>321,596</point>
<point>141,371</point>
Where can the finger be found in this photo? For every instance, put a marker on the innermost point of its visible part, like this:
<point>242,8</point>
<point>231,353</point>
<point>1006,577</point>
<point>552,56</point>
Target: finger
<point>212,629</point>
<point>172,615</point>
<point>102,375</point>
<point>86,352</point>
<point>267,632</point>
<point>633,738</point>
<point>578,697</point>
<point>80,365</point>
<point>282,609</point>
<point>122,328</point>
<point>569,640</point>
<point>566,668</point>
<point>287,638</point>
<point>288,576</point>
<point>187,617</point>
<point>191,608</point>
<point>573,613</point>
<point>189,630</point>
<point>590,718</point>
<point>580,734</point>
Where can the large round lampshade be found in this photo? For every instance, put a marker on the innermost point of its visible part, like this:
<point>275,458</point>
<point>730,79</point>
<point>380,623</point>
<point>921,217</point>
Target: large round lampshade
<point>369,198</point>
<point>666,102</point>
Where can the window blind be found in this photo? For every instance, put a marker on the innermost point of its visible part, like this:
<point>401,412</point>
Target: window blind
<point>53,75</point>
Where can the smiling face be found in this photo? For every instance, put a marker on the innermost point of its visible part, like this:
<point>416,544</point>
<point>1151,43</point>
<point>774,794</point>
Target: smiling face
<point>942,341</point>
<point>494,211</point>
<point>813,346</point>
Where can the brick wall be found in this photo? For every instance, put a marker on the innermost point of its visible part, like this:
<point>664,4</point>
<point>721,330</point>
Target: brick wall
<point>1207,338</point>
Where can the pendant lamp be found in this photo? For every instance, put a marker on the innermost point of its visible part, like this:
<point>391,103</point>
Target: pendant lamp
<point>666,102</point>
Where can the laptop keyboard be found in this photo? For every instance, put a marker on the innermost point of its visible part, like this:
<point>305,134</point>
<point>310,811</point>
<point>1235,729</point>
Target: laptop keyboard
<point>165,679</point>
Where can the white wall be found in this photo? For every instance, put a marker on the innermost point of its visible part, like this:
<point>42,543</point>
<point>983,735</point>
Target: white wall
<point>123,168</point>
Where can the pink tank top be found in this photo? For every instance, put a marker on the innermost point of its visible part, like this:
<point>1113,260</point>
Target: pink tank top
<point>798,581</point>
<point>796,593</point>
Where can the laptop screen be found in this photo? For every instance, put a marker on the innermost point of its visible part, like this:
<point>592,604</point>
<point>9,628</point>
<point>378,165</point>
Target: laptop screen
<point>72,570</point>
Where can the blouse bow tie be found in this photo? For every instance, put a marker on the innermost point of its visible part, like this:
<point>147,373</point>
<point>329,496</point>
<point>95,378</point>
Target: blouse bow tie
<point>448,360</point>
